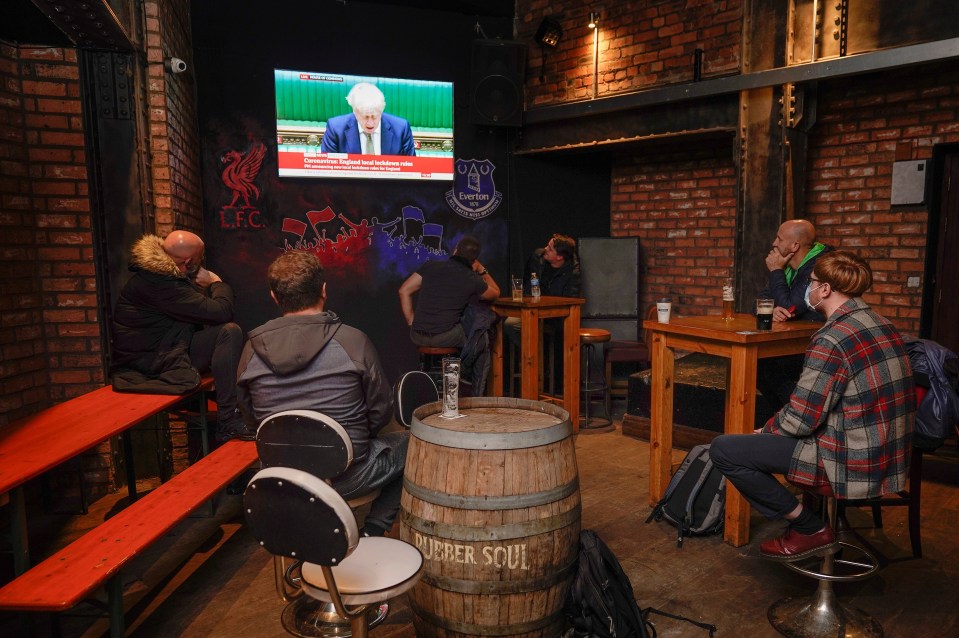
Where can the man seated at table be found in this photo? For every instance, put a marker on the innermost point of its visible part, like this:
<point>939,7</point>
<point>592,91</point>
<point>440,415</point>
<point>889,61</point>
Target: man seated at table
<point>309,360</point>
<point>174,319</point>
<point>558,269</point>
<point>444,289</point>
<point>790,263</point>
<point>848,423</point>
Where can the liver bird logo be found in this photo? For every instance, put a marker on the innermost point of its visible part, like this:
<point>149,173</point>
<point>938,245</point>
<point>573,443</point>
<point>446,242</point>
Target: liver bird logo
<point>241,169</point>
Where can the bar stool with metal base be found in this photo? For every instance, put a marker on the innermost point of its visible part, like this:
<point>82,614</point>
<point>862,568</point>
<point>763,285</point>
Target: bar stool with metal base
<point>312,442</point>
<point>588,337</point>
<point>822,615</point>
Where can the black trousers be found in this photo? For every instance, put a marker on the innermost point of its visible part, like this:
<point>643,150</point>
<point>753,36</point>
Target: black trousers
<point>776,378</point>
<point>217,349</point>
<point>749,462</point>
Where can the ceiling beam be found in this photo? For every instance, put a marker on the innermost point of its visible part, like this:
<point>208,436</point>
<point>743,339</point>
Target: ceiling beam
<point>811,71</point>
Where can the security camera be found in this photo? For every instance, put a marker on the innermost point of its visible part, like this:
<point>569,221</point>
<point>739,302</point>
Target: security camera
<point>175,65</point>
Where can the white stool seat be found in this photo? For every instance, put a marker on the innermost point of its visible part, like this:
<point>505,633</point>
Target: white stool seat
<point>378,569</point>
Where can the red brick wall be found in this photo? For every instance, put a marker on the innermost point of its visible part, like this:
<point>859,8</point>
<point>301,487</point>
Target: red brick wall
<point>683,209</point>
<point>174,137</point>
<point>852,149</point>
<point>50,335</point>
<point>641,45</point>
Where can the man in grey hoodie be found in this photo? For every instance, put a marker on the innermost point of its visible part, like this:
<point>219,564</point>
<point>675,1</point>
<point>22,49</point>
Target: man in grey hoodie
<point>309,360</point>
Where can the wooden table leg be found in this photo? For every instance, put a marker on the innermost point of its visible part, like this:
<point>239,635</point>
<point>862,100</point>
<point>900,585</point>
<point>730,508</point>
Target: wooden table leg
<point>740,419</point>
<point>571,362</point>
<point>496,364</point>
<point>529,354</point>
<point>660,418</point>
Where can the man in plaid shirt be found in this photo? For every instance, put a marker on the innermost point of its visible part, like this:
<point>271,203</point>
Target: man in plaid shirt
<point>848,423</point>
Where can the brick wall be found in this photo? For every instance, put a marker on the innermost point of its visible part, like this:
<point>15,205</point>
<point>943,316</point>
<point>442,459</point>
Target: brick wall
<point>852,148</point>
<point>682,206</point>
<point>174,137</point>
<point>641,45</point>
<point>50,334</point>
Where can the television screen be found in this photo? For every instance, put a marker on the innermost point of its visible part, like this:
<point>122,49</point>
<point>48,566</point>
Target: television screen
<point>335,125</point>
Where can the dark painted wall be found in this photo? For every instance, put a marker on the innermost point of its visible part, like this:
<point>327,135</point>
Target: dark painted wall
<point>237,45</point>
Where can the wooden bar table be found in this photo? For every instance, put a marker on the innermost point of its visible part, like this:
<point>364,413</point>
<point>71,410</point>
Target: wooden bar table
<point>531,313</point>
<point>737,340</point>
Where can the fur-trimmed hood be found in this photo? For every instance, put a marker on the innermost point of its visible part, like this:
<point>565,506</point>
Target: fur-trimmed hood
<point>148,254</point>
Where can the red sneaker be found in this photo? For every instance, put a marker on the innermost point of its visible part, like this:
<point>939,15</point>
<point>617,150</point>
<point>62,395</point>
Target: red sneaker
<point>794,546</point>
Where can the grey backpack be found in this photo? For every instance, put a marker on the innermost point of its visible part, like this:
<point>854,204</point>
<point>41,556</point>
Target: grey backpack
<point>695,499</point>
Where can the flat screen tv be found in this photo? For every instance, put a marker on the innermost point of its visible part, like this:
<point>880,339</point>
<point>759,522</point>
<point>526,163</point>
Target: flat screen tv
<point>318,134</point>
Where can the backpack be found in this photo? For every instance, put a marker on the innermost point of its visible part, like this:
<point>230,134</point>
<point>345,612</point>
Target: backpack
<point>601,603</point>
<point>695,499</point>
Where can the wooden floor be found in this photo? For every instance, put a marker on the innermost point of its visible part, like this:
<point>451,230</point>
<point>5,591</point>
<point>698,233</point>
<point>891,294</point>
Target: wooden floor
<point>225,589</point>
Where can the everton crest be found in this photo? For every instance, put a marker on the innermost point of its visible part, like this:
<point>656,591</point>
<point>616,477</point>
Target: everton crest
<point>474,195</point>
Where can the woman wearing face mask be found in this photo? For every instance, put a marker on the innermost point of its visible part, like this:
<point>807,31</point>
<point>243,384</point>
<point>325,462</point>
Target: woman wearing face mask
<point>848,422</point>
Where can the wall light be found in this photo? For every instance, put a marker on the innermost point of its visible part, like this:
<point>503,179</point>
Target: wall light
<point>549,32</point>
<point>593,19</point>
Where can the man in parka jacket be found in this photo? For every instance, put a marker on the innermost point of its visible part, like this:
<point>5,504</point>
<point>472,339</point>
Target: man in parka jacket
<point>173,320</point>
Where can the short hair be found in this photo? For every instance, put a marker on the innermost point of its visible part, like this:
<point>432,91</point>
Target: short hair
<point>845,271</point>
<point>468,248</point>
<point>366,97</point>
<point>565,246</point>
<point>296,280</point>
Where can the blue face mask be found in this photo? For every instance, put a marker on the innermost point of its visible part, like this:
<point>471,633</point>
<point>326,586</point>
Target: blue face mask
<point>809,289</point>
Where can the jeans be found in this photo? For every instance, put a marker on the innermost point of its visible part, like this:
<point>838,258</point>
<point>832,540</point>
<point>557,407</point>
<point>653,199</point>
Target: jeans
<point>749,462</point>
<point>382,468</point>
<point>452,338</point>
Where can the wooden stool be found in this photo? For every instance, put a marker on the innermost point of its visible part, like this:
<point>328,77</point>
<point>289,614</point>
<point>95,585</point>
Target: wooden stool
<point>822,615</point>
<point>587,338</point>
<point>624,351</point>
<point>431,361</point>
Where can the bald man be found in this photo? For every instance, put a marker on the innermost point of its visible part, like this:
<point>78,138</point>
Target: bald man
<point>790,263</point>
<point>173,320</point>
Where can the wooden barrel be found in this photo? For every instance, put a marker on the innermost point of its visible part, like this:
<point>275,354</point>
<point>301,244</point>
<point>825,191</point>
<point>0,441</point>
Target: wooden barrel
<point>492,501</point>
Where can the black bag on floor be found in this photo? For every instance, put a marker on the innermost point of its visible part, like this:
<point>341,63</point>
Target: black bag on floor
<point>695,499</point>
<point>601,603</point>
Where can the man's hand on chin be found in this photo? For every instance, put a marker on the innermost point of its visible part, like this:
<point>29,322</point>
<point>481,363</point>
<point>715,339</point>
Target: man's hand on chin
<point>776,261</point>
<point>205,277</point>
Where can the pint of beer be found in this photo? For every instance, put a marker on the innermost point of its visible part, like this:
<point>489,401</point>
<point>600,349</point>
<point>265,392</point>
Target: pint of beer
<point>729,299</point>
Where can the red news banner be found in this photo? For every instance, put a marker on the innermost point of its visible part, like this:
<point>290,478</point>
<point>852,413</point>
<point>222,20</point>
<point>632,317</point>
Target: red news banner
<point>298,163</point>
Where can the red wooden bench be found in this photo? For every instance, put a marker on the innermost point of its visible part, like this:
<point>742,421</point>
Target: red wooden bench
<point>69,576</point>
<point>35,444</point>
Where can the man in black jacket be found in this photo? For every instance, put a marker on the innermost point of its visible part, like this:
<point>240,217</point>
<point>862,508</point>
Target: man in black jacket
<point>173,319</point>
<point>790,263</point>
<point>557,265</point>
<point>557,268</point>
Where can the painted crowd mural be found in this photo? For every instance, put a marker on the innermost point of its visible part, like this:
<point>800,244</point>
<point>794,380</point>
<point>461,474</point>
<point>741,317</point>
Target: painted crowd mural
<point>368,238</point>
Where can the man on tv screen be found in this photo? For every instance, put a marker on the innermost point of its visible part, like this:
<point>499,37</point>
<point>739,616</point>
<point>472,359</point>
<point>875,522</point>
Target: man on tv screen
<point>367,130</point>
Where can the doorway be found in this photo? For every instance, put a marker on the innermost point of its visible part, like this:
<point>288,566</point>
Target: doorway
<point>941,309</point>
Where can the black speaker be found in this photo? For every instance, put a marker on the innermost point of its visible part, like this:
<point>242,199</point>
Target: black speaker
<point>496,88</point>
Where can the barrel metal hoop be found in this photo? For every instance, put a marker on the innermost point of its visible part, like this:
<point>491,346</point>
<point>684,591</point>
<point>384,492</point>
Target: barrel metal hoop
<point>491,440</point>
<point>486,630</point>
<point>447,531</point>
<point>501,587</point>
<point>517,501</point>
